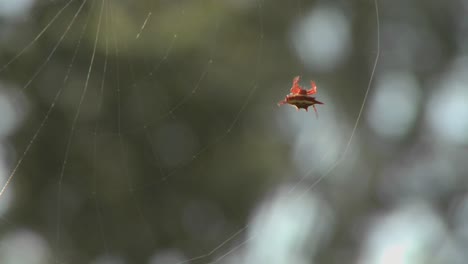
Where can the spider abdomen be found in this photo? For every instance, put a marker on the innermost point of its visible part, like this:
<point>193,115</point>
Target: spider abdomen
<point>302,101</point>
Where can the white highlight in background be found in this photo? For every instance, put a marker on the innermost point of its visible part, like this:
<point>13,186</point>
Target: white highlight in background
<point>394,105</point>
<point>24,246</point>
<point>289,228</point>
<point>14,8</point>
<point>322,39</point>
<point>408,235</point>
<point>447,108</point>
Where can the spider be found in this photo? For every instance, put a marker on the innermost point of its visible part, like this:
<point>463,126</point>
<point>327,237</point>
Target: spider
<point>301,98</point>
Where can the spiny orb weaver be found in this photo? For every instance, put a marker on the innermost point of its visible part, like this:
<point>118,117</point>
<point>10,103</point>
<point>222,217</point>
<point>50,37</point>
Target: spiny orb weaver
<point>301,98</point>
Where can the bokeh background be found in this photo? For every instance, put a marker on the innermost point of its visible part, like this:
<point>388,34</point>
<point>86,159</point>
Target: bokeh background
<point>148,132</point>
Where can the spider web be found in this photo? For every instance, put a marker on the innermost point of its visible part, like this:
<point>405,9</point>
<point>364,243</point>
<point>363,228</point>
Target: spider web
<point>140,116</point>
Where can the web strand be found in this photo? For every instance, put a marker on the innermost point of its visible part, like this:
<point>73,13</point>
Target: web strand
<point>97,205</point>
<point>38,36</point>
<point>361,109</point>
<point>72,129</point>
<point>198,83</point>
<point>34,137</point>
<point>316,182</point>
<point>144,25</point>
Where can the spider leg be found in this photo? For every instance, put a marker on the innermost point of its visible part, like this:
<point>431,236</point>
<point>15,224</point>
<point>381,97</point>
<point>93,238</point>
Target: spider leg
<point>296,80</point>
<point>296,88</point>
<point>313,88</point>
<point>280,103</point>
<point>315,110</point>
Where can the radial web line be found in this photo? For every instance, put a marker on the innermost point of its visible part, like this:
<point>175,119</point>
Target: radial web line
<point>28,147</point>
<point>72,129</point>
<point>96,129</point>
<point>335,164</point>
<point>39,35</point>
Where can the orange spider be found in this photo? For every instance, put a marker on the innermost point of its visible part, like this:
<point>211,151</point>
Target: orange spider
<point>301,98</point>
